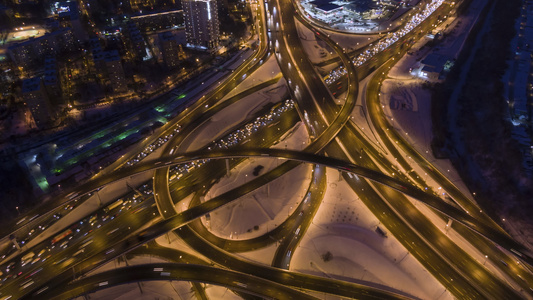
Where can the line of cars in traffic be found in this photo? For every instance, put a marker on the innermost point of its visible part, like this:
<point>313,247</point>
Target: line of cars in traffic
<point>25,265</point>
<point>132,200</point>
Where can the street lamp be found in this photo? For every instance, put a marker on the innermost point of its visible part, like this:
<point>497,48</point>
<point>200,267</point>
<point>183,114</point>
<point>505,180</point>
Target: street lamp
<point>17,208</point>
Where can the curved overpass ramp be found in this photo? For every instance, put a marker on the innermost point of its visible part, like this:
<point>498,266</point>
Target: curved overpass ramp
<point>434,202</point>
<point>237,281</point>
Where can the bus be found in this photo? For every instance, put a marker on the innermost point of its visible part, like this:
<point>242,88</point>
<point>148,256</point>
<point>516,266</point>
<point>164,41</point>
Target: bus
<point>113,205</point>
<point>26,258</point>
<point>61,236</point>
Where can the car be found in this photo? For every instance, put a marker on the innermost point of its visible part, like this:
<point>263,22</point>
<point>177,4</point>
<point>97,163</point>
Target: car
<point>112,231</point>
<point>60,261</point>
<point>26,284</point>
<point>11,264</point>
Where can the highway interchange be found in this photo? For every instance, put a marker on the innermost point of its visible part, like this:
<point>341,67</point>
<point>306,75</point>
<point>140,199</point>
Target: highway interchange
<point>335,142</point>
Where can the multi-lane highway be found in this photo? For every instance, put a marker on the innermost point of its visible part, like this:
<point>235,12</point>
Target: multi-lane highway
<point>206,207</point>
<point>335,142</point>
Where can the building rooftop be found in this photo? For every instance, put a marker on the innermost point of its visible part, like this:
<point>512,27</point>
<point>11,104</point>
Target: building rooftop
<point>431,69</point>
<point>50,79</point>
<point>131,25</point>
<point>434,60</point>
<point>68,9</point>
<point>50,67</point>
<point>51,72</point>
<point>136,37</point>
<point>41,38</point>
<point>361,6</point>
<point>152,14</point>
<point>166,36</point>
<point>31,85</point>
<point>69,15</point>
<point>95,43</point>
<point>49,61</point>
<point>52,23</point>
<point>111,55</point>
<point>325,5</point>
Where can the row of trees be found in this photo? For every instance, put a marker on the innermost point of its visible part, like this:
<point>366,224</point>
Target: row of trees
<point>493,164</point>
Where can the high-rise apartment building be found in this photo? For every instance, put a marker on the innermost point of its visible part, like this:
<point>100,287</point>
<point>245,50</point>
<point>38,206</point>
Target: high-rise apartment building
<point>201,23</point>
<point>37,100</point>
<point>159,20</point>
<point>135,40</point>
<point>140,4</point>
<point>27,53</point>
<point>50,79</point>
<point>115,71</point>
<point>69,16</point>
<point>170,49</point>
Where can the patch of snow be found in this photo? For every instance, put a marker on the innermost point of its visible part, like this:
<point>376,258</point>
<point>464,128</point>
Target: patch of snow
<point>345,227</point>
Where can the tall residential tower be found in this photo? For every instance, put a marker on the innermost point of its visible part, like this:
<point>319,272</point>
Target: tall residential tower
<point>201,23</point>
<point>37,100</point>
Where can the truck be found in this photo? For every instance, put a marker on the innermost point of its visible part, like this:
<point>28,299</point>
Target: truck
<point>61,236</point>
<point>113,205</point>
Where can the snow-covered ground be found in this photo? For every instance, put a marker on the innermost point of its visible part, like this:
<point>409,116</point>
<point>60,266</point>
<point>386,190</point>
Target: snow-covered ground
<point>265,208</point>
<point>342,223</point>
<point>341,220</point>
<point>223,121</point>
<point>317,51</point>
<point>268,206</point>
<point>236,61</point>
<point>407,106</point>
<point>269,69</point>
<point>414,123</point>
<point>352,41</point>
<point>295,139</point>
<point>264,255</point>
<point>235,113</point>
<point>360,119</point>
<point>345,227</point>
<point>220,292</point>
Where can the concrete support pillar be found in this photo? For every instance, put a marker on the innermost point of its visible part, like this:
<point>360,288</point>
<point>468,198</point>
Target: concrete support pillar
<point>14,241</point>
